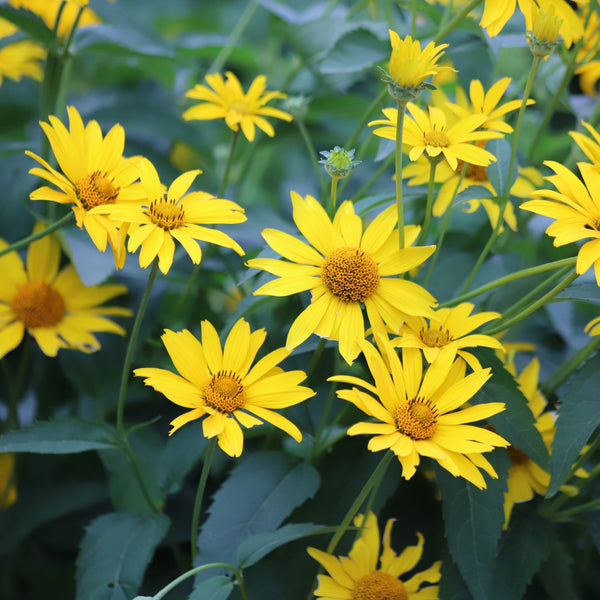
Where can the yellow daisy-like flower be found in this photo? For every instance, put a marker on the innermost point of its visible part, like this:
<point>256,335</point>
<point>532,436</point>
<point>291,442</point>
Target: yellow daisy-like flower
<point>589,146</point>
<point>47,10</point>
<point>451,327</point>
<point>575,206</point>
<point>589,70</point>
<point>162,218</point>
<point>54,306</point>
<point>221,384</point>
<point>94,173</point>
<point>19,59</point>
<point>8,485</point>
<point>357,577</point>
<point>418,414</point>
<point>431,134</point>
<point>344,267</point>
<point>593,327</point>
<point>225,99</point>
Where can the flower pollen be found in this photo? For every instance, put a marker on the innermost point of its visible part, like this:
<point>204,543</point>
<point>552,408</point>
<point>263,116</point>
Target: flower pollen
<point>225,392</point>
<point>435,338</point>
<point>38,304</point>
<point>95,189</point>
<point>417,419</point>
<point>350,274</point>
<point>436,138</point>
<point>166,213</point>
<point>379,586</point>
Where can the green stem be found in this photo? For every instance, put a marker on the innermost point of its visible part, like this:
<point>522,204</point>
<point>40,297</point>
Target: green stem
<point>311,152</point>
<point>67,44</point>
<point>456,20</point>
<point>192,572</point>
<point>429,206</point>
<point>225,180</point>
<point>564,515</point>
<point>210,450</point>
<point>38,235</point>
<point>413,20</point>
<point>398,168</point>
<point>511,169</point>
<point>59,13</point>
<point>334,182</point>
<point>532,307</point>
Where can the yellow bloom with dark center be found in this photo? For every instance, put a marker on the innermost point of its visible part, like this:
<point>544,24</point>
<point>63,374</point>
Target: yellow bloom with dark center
<point>371,572</point>
<point>431,134</point>
<point>419,414</point>
<point>225,99</point>
<point>450,327</point>
<point>575,206</point>
<point>8,483</point>
<point>94,173</point>
<point>21,58</point>
<point>344,267</point>
<point>220,385</point>
<point>53,305</point>
<point>162,218</point>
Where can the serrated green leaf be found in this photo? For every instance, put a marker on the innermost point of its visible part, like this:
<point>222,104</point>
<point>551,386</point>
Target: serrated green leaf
<point>357,51</point>
<point>556,574</point>
<point>473,523</point>
<point>497,172</point>
<point>516,423</point>
<point>28,22</point>
<point>67,436</point>
<point>215,588</point>
<point>578,417</point>
<point>522,549</point>
<point>254,548</point>
<point>115,552</point>
<point>452,585</point>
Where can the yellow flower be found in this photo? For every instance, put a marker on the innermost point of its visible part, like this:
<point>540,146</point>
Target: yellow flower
<point>589,70</point>
<point>227,100</point>
<point>48,10</point>
<point>160,219</point>
<point>221,384</point>
<point>8,485</point>
<point>344,267</point>
<point>575,206</point>
<point>357,576</point>
<point>19,59</point>
<point>54,306</point>
<point>544,36</point>
<point>432,134</point>
<point>589,74</point>
<point>593,327</point>
<point>416,414</point>
<point>590,147</point>
<point>450,327</point>
<point>94,172</point>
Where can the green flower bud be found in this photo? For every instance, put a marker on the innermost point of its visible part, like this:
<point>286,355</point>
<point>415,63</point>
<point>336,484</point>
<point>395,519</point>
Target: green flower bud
<point>338,163</point>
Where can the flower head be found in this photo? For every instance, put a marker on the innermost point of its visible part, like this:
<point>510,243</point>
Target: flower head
<point>21,58</point>
<point>575,206</point>
<point>162,218</point>
<point>54,306</point>
<point>338,162</point>
<point>94,173</point>
<point>419,414</point>
<point>225,99</point>
<point>344,267</point>
<point>544,37</point>
<point>357,576</point>
<point>220,385</point>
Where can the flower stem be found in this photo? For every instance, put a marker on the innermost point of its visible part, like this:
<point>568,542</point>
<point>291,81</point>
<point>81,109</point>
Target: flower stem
<point>38,235</point>
<point>312,153</point>
<point>225,180</point>
<point>456,20</point>
<point>429,206</point>
<point>351,142</point>
<point>398,167</point>
<point>334,182</point>
<point>511,169</point>
<point>210,450</point>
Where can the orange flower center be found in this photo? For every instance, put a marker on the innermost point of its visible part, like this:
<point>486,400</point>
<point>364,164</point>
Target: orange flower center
<point>435,338</point>
<point>417,419</point>
<point>436,138</point>
<point>225,392</point>
<point>38,304</point>
<point>350,273</point>
<point>379,586</point>
<point>517,457</point>
<point>95,189</point>
<point>166,213</point>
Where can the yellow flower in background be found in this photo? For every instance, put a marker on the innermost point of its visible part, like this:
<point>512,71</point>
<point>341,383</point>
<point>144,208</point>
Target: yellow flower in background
<point>431,134</point>
<point>589,70</point>
<point>8,484</point>
<point>161,218</point>
<point>593,327</point>
<point>358,577</point>
<point>575,206</point>
<point>419,414</point>
<point>589,74</point>
<point>589,146</point>
<point>344,266</point>
<point>225,99</point>
<point>94,173</point>
<point>544,37</point>
<point>54,306</point>
<point>21,58</point>
<point>450,327</point>
<point>47,10</point>
<point>220,385</point>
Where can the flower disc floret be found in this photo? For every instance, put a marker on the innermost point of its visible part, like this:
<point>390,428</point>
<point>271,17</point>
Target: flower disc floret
<point>94,189</point>
<point>417,419</point>
<point>225,392</point>
<point>167,214</point>
<point>38,304</point>
<point>351,274</point>
<point>378,586</point>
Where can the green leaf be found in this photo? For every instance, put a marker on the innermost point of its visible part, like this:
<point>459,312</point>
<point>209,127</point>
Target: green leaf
<point>215,588</point>
<point>473,192</point>
<point>516,423</point>
<point>261,491</point>
<point>67,436</point>
<point>497,172</point>
<point>578,417</point>
<point>254,548</point>
<point>356,51</point>
<point>473,522</point>
<point>556,573</point>
<point>585,292</point>
<point>522,549</point>
<point>115,552</point>
<point>30,23</point>
<point>452,585</point>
